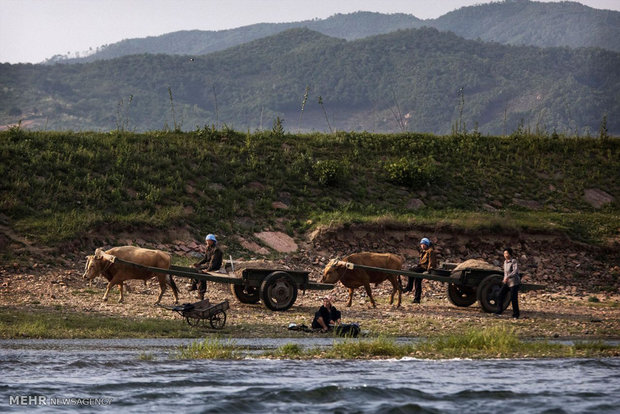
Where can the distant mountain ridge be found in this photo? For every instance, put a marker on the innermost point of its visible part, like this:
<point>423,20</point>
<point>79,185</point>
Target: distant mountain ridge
<point>197,42</point>
<point>419,80</point>
<point>515,22</point>
<point>523,22</point>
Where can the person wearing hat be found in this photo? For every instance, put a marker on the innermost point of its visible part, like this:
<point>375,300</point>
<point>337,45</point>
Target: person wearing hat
<point>210,263</point>
<point>428,261</point>
<point>326,316</point>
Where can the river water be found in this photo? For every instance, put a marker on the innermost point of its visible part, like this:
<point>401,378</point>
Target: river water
<point>110,375</point>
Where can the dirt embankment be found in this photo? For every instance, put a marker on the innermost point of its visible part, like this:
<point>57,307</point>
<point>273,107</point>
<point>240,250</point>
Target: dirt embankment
<point>575,274</point>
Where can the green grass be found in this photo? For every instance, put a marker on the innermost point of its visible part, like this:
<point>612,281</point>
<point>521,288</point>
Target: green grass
<point>210,348</point>
<point>146,356</point>
<point>56,186</point>
<point>502,342</point>
<point>53,323</point>
<point>380,347</point>
<point>494,342</point>
<point>289,351</point>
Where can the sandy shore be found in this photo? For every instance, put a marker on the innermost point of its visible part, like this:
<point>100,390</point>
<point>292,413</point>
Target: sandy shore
<point>544,314</point>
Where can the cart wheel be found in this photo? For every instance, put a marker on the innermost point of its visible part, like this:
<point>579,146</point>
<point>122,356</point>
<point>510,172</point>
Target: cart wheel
<point>193,321</point>
<point>460,295</point>
<point>278,291</point>
<point>245,294</point>
<point>488,292</point>
<point>218,320</point>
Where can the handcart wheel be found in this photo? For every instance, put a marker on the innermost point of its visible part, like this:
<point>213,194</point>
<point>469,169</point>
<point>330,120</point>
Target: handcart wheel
<point>488,294</point>
<point>193,321</point>
<point>278,291</point>
<point>460,295</point>
<point>218,320</point>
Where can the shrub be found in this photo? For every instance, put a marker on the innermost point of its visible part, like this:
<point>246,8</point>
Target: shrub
<point>328,172</point>
<point>412,173</point>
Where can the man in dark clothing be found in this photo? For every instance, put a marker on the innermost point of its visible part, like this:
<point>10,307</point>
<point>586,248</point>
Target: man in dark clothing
<point>326,315</point>
<point>512,283</point>
<point>210,263</point>
<point>428,261</point>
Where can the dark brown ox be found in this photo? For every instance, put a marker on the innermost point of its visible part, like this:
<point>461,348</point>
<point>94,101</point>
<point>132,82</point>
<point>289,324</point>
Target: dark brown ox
<point>352,279</point>
<point>101,263</point>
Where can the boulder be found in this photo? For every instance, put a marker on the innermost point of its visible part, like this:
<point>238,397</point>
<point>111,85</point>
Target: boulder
<point>597,198</point>
<point>415,204</point>
<point>252,246</point>
<point>278,241</point>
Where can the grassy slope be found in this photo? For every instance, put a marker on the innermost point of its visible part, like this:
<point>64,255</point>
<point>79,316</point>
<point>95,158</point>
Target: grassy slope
<point>58,185</point>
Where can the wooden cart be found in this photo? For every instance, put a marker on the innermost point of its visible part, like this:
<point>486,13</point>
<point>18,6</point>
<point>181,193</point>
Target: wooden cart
<point>465,287</point>
<point>276,288</point>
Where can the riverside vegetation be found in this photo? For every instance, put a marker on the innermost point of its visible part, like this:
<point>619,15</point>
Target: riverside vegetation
<point>65,192</point>
<point>60,186</point>
<point>498,342</point>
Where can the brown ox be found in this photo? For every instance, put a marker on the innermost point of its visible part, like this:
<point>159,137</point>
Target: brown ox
<point>116,273</point>
<point>352,279</point>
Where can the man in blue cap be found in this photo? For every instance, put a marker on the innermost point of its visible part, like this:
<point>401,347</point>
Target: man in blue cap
<point>428,260</point>
<point>210,263</point>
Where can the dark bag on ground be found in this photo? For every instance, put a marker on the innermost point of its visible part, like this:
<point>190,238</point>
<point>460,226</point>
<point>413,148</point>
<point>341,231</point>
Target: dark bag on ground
<point>302,327</point>
<point>348,329</point>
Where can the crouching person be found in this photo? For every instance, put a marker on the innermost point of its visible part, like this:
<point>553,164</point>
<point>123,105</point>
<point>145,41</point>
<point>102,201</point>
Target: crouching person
<point>326,316</point>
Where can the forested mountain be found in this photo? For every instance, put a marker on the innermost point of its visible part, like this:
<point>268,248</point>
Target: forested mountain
<point>199,42</point>
<point>417,80</point>
<point>522,22</point>
<point>515,22</point>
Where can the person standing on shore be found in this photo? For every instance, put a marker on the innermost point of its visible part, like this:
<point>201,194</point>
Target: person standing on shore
<point>512,282</point>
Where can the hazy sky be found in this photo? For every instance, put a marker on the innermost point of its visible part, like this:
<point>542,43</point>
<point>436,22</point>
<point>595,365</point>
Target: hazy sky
<point>34,30</point>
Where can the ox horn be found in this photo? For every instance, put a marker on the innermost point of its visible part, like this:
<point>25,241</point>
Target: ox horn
<point>348,265</point>
<point>100,254</point>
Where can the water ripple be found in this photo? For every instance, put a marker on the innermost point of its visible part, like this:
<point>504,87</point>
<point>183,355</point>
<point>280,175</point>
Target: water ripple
<point>86,369</point>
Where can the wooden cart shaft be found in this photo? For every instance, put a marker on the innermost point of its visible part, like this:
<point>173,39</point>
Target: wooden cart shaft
<point>251,277</point>
<point>465,278</point>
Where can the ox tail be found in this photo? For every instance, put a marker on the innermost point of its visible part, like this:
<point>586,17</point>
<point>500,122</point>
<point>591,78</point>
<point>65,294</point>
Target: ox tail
<point>173,285</point>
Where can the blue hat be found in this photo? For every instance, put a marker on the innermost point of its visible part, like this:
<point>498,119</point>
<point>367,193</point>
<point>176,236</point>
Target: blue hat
<point>425,241</point>
<point>211,237</point>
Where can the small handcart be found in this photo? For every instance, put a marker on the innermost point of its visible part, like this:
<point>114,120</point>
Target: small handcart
<point>198,312</point>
